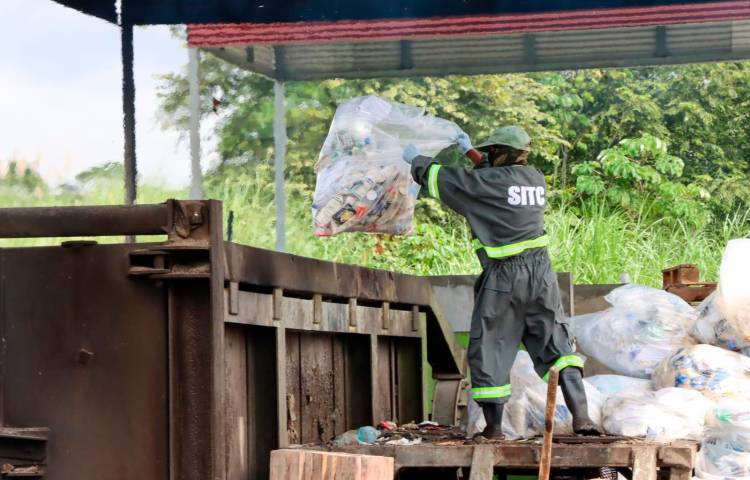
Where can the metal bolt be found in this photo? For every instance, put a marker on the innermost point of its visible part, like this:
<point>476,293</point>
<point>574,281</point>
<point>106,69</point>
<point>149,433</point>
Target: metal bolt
<point>84,356</point>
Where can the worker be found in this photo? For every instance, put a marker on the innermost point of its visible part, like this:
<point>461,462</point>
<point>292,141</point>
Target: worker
<point>517,298</point>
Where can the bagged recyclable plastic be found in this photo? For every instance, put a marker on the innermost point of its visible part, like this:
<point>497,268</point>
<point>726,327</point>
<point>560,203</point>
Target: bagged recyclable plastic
<point>713,328</point>
<point>476,422</point>
<point>725,451</point>
<point>609,385</point>
<point>734,291</point>
<point>641,328</point>
<point>665,415</point>
<point>712,371</point>
<point>523,416</point>
<point>363,184</point>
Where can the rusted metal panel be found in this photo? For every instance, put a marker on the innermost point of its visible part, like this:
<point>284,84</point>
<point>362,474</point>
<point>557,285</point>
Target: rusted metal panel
<point>235,372</point>
<point>58,302</point>
<point>316,384</point>
<point>261,399</point>
<point>338,368</point>
<point>357,380</point>
<point>684,281</point>
<point>384,392</point>
<point>680,275</point>
<point>327,392</point>
<point>293,387</point>
<point>84,220</point>
<point>255,266</point>
<point>408,379</point>
<point>194,211</point>
<point>191,378</point>
<point>262,269</point>
<point>282,399</point>
<point>299,314</point>
<point>23,449</point>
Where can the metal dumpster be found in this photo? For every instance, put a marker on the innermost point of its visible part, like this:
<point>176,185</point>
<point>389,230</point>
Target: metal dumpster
<point>192,358</point>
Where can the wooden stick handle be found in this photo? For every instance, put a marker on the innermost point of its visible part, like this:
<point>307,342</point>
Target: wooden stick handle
<point>549,423</point>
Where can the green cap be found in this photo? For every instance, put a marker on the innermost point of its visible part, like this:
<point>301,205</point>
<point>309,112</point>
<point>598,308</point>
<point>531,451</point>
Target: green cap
<point>510,135</point>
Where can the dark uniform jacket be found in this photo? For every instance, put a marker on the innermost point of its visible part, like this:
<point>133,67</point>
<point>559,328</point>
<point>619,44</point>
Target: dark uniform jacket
<point>503,205</point>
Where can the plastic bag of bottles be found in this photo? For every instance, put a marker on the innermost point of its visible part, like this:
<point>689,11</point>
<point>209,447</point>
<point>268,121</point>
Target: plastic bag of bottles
<point>712,371</point>
<point>662,416</point>
<point>713,328</point>
<point>641,328</point>
<point>609,385</point>
<point>363,184</point>
<point>725,451</point>
<point>523,415</point>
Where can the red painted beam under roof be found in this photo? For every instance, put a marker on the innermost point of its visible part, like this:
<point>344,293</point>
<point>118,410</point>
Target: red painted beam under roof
<point>225,34</point>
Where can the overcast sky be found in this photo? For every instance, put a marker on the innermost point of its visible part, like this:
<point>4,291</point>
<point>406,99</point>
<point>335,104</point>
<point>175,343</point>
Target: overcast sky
<point>60,92</point>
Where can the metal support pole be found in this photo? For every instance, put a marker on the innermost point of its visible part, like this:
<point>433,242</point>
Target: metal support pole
<point>128,113</point>
<point>279,141</point>
<point>196,175</point>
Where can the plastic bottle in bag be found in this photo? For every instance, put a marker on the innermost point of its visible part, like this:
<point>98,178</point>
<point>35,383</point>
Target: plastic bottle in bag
<point>712,371</point>
<point>523,415</point>
<point>725,451</point>
<point>665,415</point>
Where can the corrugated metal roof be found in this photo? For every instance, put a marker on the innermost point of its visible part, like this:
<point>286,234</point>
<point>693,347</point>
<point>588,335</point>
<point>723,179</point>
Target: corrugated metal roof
<point>485,44</point>
<point>210,35</point>
<point>150,12</point>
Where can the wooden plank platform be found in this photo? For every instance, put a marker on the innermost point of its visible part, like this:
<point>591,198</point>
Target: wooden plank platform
<point>643,457</point>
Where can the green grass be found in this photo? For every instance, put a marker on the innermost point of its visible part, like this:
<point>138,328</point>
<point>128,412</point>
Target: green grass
<point>595,245</point>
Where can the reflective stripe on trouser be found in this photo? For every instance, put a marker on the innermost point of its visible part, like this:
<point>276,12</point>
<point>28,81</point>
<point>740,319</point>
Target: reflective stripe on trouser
<point>491,392</point>
<point>516,302</point>
<point>564,362</point>
<point>511,249</point>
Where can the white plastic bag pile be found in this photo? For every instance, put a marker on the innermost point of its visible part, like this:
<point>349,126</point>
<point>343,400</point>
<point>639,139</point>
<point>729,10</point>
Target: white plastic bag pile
<point>725,451</point>
<point>712,327</point>
<point>609,385</point>
<point>641,328</point>
<point>664,415</point>
<point>363,184</point>
<point>523,415</point>
<point>724,317</point>
<point>524,412</point>
<point>712,371</point>
<point>675,388</point>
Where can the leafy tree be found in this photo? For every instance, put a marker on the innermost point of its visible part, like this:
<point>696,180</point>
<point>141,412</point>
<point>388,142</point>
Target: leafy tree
<point>638,174</point>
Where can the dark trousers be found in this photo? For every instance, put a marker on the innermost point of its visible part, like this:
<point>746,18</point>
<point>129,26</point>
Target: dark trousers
<point>517,302</point>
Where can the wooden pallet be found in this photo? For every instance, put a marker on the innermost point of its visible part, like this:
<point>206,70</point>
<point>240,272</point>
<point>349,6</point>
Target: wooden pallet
<point>645,459</point>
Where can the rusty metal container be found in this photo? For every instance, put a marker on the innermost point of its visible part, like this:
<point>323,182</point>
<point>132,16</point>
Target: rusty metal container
<point>192,358</point>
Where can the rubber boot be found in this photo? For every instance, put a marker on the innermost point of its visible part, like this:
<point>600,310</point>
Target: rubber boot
<point>571,382</point>
<point>493,415</point>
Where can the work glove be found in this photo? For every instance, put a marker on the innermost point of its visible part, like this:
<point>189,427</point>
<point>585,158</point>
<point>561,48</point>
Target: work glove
<point>410,153</point>
<point>463,143</point>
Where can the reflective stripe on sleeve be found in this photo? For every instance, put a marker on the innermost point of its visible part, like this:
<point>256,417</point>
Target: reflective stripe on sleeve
<point>564,362</point>
<point>432,181</point>
<point>491,392</point>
